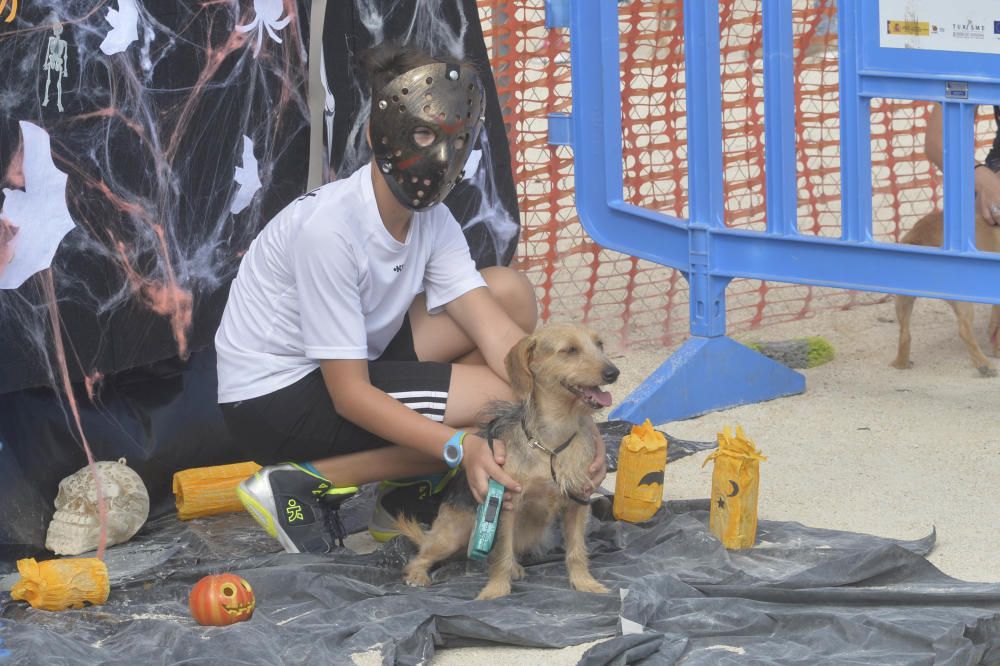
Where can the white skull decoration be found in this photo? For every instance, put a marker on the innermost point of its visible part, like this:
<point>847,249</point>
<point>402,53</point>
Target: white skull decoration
<point>76,526</point>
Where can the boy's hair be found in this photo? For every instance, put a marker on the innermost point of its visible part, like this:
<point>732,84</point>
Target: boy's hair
<point>385,61</point>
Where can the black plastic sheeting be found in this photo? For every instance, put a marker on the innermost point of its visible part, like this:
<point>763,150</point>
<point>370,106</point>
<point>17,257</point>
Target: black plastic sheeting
<point>613,431</point>
<point>161,418</point>
<point>801,596</point>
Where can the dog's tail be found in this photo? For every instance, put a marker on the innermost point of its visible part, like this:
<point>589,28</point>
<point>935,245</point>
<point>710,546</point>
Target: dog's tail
<point>410,528</point>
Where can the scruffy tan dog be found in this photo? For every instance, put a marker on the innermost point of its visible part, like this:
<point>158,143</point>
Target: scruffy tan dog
<point>556,373</point>
<point>929,232</point>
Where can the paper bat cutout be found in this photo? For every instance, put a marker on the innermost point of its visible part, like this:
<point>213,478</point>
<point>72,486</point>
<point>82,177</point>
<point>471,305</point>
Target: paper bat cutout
<point>472,164</point>
<point>7,233</point>
<point>124,27</point>
<point>39,212</point>
<point>247,177</point>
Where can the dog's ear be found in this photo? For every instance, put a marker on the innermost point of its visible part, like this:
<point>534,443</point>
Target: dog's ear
<point>518,364</point>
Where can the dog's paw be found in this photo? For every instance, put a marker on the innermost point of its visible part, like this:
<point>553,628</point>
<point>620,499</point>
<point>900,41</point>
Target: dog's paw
<point>987,371</point>
<point>902,365</point>
<point>588,584</point>
<point>494,591</point>
<point>417,579</point>
<point>517,571</point>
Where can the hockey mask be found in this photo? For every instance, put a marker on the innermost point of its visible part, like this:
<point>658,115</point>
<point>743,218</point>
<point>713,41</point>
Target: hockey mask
<point>423,126</point>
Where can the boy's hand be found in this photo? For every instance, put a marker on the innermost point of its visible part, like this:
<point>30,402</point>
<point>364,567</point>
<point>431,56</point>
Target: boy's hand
<point>988,195</point>
<point>481,465</point>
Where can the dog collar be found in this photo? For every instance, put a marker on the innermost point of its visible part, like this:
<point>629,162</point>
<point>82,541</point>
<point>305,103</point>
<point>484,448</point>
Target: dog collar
<point>535,443</point>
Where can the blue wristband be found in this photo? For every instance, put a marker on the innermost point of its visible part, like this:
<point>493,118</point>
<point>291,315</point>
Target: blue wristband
<point>453,449</point>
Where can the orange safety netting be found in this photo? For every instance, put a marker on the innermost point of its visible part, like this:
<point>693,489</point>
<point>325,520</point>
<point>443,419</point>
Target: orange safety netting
<point>642,302</point>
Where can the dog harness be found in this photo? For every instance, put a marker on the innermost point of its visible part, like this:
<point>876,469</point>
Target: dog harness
<point>535,443</point>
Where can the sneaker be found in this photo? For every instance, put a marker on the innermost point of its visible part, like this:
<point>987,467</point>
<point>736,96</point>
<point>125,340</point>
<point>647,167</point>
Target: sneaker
<point>296,506</point>
<point>415,498</point>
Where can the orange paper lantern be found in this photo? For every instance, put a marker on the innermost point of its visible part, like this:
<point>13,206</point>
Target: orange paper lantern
<point>206,491</point>
<point>60,584</point>
<point>735,482</point>
<point>221,600</point>
<point>642,461</point>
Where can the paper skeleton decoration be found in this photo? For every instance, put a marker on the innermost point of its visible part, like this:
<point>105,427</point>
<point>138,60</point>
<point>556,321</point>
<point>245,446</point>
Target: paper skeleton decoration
<point>75,527</point>
<point>56,60</point>
<point>329,110</point>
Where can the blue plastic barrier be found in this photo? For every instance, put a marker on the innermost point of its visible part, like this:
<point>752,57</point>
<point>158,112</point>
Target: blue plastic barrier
<point>711,371</point>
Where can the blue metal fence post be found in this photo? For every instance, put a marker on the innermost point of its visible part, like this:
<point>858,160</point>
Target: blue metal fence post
<point>779,118</point>
<point>959,191</point>
<point>711,371</point>
<point>855,134</point>
<point>703,84</point>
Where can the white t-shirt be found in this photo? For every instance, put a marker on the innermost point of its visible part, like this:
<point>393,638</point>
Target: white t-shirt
<point>326,280</point>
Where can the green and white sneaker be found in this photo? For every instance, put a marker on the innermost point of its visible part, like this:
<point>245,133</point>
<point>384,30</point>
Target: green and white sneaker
<point>418,498</point>
<point>296,506</point>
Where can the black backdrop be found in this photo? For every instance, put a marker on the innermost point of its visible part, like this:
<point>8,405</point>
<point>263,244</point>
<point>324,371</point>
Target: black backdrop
<point>152,407</point>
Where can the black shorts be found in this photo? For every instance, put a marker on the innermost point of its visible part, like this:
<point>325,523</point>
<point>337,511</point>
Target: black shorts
<point>299,423</point>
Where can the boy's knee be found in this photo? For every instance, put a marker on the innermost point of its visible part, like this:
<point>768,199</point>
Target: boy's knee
<point>515,293</point>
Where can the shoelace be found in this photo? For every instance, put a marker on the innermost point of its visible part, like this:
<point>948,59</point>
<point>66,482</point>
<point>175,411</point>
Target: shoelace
<point>332,521</point>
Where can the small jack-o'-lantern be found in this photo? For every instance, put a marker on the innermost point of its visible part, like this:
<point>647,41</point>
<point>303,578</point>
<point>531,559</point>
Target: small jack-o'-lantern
<point>221,600</point>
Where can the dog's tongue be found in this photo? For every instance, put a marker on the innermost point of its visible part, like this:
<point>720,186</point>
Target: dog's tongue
<point>602,398</point>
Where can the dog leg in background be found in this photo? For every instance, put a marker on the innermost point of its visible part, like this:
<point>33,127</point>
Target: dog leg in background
<point>929,232</point>
<point>577,561</point>
<point>449,535</point>
<point>994,329</point>
<point>501,560</point>
<point>904,310</point>
<point>966,316</point>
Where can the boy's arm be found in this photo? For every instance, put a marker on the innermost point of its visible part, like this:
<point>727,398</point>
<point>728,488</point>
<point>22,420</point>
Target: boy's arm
<point>488,325</point>
<point>986,183</point>
<point>373,410</point>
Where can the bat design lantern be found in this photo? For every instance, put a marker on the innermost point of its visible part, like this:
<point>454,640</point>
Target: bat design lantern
<point>642,460</point>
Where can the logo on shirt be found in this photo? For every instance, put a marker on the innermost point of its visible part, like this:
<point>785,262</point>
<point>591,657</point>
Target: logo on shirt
<point>398,269</point>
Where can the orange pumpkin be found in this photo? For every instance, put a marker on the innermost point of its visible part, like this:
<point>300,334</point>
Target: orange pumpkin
<point>221,600</point>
